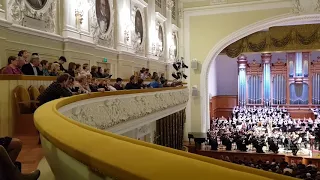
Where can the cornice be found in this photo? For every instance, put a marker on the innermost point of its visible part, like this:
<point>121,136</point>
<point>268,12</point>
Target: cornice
<point>160,17</point>
<point>237,7</point>
<point>35,32</point>
<point>141,3</point>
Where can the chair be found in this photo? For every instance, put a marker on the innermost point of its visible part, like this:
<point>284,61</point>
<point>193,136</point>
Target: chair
<point>34,93</point>
<point>42,88</point>
<point>24,124</point>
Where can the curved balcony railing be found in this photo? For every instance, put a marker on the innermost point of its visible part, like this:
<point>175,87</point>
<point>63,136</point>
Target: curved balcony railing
<point>80,141</point>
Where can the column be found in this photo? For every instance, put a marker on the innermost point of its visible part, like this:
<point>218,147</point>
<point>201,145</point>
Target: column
<point>2,9</point>
<point>242,80</point>
<point>168,27</point>
<point>266,60</point>
<point>151,30</point>
<point>123,24</point>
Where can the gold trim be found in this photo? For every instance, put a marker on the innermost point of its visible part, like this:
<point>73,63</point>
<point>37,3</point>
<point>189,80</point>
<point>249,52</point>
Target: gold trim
<point>110,153</point>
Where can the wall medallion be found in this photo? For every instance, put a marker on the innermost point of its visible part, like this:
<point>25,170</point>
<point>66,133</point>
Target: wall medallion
<point>101,22</point>
<point>138,36</point>
<point>161,40</point>
<point>36,14</point>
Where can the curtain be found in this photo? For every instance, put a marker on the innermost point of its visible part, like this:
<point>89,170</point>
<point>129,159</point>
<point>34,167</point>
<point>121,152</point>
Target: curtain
<point>281,38</point>
<point>169,130</point>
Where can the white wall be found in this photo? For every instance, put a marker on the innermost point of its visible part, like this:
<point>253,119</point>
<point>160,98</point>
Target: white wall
<point>223,74</point>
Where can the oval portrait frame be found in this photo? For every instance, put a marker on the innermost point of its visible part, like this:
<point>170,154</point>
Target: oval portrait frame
<point>141,28</point>
<point>99,15</point>
<point>43,9</point>
<point>161,36</point>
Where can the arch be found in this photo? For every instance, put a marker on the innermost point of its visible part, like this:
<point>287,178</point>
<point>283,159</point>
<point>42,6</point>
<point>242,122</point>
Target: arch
<point>283,20</point>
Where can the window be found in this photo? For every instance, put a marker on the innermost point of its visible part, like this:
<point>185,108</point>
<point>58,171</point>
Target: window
<point>158,3</point>
<point>174,10</point>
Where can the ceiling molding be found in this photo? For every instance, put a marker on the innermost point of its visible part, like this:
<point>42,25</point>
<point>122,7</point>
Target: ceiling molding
<point>238,7</point>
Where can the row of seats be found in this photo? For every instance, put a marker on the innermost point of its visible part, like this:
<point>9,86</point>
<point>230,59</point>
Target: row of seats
<point>25,104</point>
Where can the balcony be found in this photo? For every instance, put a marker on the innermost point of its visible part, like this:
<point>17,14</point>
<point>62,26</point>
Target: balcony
<point>80,138</point>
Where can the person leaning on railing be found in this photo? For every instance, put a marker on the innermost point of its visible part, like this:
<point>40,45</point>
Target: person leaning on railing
<point>56,90</point>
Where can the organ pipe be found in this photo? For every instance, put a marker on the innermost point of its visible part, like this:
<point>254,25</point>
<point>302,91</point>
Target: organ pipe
<point>242,64</point>
<point>266,59</point>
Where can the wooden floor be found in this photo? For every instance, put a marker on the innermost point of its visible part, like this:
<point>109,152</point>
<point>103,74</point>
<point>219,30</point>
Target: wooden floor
<point>31,153</point>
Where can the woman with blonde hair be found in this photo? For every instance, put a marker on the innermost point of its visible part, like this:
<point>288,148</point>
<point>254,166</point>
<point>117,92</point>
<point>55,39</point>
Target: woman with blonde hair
<point>82,84</point>
<point>54,69</point>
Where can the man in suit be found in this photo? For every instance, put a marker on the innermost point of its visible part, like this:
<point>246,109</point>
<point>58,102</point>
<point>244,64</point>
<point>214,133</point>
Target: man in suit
<point>103,15</point>
<point>32,68</point>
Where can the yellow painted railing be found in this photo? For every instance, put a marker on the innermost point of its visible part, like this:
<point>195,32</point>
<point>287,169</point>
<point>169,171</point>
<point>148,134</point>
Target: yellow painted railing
<point>125,158</point>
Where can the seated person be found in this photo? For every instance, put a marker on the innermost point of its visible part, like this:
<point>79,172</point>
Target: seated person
<point>45,67</point>
<point>82,84</point>
<point>156,83</point>
<point>13,66</point>
<point>56,90</point>
<point>109,86</point>
<point>9,171</point>
<point>132,83</point>
<point>9,151</point>
<point>118,85</point>
<point>54,69</point>
<point>141,84</point>
<point>94,86</point>
<point>32,68</point>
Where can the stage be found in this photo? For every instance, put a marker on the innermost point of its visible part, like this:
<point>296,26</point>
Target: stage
<point>251,155</point>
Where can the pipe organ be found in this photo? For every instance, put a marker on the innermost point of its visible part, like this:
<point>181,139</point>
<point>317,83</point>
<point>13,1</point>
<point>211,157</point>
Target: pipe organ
<point>294,81</point>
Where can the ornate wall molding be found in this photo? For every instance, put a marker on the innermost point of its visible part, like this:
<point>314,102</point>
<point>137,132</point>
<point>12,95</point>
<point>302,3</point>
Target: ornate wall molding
<point>100,37</point>
<point>306,7</point>
<point>21,12</point>
<point>215,2</point>
<point>169,4</point>
<point>116,113</point>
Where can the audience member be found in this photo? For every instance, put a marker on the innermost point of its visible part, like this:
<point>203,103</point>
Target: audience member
<point>85,70</point>
<point>82,84</point>
<point>156,83</point>
<point>109,86</point>
<point>61,61</point>
<point>94,72</point>
<point>71,69</point>
<point>56,90</point>
<point>13,66</point>
<point>94,86</point>
<point>107,73</point>
<point>140,84</point>
<point>118,85</point>
<point>132,83</point>
<point>162,78</point>
<point>77,71</point>
<point>32,68</point>
<point>24,54</point>
<point>9,171</point>
<point>101,72</point>
<point>45,65</point>
<point>54,69</point>
<point>154,75</point>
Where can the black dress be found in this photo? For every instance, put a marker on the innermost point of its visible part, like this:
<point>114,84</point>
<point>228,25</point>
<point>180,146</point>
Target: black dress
<point>5,141</point>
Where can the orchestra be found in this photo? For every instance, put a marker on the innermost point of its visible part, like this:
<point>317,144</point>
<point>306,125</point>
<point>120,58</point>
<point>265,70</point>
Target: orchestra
<point>266,128</point>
